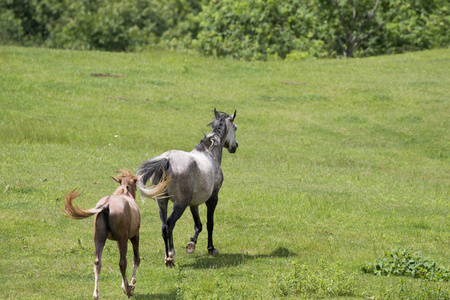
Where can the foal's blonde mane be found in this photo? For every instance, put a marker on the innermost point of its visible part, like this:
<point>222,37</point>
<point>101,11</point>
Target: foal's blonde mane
<point>123,174</point>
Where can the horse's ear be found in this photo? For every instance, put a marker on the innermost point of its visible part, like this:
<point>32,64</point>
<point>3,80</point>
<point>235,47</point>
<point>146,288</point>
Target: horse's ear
<point>233,116</point>
<point>115,179</point>
<point>216,114</point>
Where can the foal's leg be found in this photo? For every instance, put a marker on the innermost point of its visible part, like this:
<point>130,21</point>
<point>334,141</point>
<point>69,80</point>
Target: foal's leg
<point>211,206</point>
<point>100,234</point>
<point>190,248</point>
<point>136,259</point>
<point>123,247</point>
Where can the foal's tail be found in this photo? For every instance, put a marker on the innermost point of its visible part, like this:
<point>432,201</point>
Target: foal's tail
<point>156,167</point>
<point>77,213</point>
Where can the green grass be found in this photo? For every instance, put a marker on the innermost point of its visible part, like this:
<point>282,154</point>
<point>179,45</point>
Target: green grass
<point>339,161</point>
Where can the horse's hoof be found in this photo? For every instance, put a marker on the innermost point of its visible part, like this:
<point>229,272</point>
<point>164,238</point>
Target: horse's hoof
<point>213,251</point>
<point>169,261</point>
<point>190,248</point>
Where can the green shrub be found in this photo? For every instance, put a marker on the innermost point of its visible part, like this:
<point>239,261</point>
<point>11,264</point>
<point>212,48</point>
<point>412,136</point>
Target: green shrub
<point>110,25</point>
<point>10,27</point>
<point>403,263</point>
<point>412,25</point>
<point>259,29</point>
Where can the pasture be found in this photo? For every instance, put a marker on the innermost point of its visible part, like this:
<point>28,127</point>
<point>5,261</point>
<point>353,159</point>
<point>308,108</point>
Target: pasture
<point>338,162</point>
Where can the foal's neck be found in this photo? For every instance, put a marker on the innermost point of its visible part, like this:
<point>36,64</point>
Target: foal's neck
<point>123,190</point>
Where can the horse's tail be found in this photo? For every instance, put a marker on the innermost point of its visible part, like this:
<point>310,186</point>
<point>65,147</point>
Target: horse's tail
<point>156,167</point>
<point>77,213</point>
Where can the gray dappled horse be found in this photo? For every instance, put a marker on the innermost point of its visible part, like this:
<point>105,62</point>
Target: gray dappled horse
<point>193,178</point>
<point>116,218</point>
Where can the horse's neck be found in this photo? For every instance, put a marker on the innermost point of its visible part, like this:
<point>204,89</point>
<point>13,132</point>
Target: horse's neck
<point>218,150</point>
<point>217,153</point>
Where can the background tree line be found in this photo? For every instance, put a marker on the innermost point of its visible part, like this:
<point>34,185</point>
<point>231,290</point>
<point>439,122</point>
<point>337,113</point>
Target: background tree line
<point>251,29</point>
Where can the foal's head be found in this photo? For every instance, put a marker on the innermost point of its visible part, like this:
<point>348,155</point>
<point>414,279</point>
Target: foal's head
<point>127,181</point>
<point>224,124</point>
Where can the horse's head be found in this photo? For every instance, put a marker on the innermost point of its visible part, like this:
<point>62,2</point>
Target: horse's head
<point>229,139</point>
<point>128,181</point>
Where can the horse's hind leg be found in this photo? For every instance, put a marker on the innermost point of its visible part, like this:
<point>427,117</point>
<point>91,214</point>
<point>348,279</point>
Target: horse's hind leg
<point>174,216</point>
<point>162,205</point>
<point>136,260</point>
<point>123,247</point>
<point>100,234</point>
<point>190,248</point>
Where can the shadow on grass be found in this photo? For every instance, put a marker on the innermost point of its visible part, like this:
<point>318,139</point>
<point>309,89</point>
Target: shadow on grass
<point>169,296</point>
<point>234,259</point>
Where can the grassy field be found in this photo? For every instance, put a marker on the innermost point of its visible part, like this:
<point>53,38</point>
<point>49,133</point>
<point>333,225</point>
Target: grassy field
<point>339,161</point>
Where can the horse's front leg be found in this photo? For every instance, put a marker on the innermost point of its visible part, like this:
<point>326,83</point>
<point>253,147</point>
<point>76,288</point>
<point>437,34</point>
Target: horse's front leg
<point>211,206</point>
<point>190,248</point>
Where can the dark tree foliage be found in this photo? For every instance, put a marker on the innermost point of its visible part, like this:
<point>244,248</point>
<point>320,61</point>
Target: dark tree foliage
<point>250,29</point>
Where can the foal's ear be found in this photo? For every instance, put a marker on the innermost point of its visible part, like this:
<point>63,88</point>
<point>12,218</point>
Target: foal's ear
<point>137,178</point>
<point>115,179</point>
<point>233,116</point>
<point>216,114</point>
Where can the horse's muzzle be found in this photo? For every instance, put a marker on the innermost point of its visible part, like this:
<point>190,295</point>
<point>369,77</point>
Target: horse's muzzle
<point>233,148</point>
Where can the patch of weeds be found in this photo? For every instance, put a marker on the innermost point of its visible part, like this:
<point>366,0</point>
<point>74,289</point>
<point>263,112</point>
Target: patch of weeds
<point>329,281</point>
<point>180,278</point>
<point>408,291</point>
<point>218,286</point>
<point>402,262</point>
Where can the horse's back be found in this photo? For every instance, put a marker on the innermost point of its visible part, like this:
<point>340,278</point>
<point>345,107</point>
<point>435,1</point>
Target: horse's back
<point>193,173</point>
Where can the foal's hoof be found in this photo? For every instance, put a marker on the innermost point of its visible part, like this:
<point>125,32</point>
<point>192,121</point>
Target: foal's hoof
<point>213,251</point>
<point>190,248</point>
<point>169,261</point>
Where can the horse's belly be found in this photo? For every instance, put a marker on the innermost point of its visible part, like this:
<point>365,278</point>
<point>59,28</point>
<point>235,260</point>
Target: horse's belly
<point>200,197</point>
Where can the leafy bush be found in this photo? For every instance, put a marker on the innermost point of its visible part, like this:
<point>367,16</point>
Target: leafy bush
<point>259,29</point>
<point>84,24</point>
<point>10,28</point>
<point>403,263</point>
<point>330,281</point>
